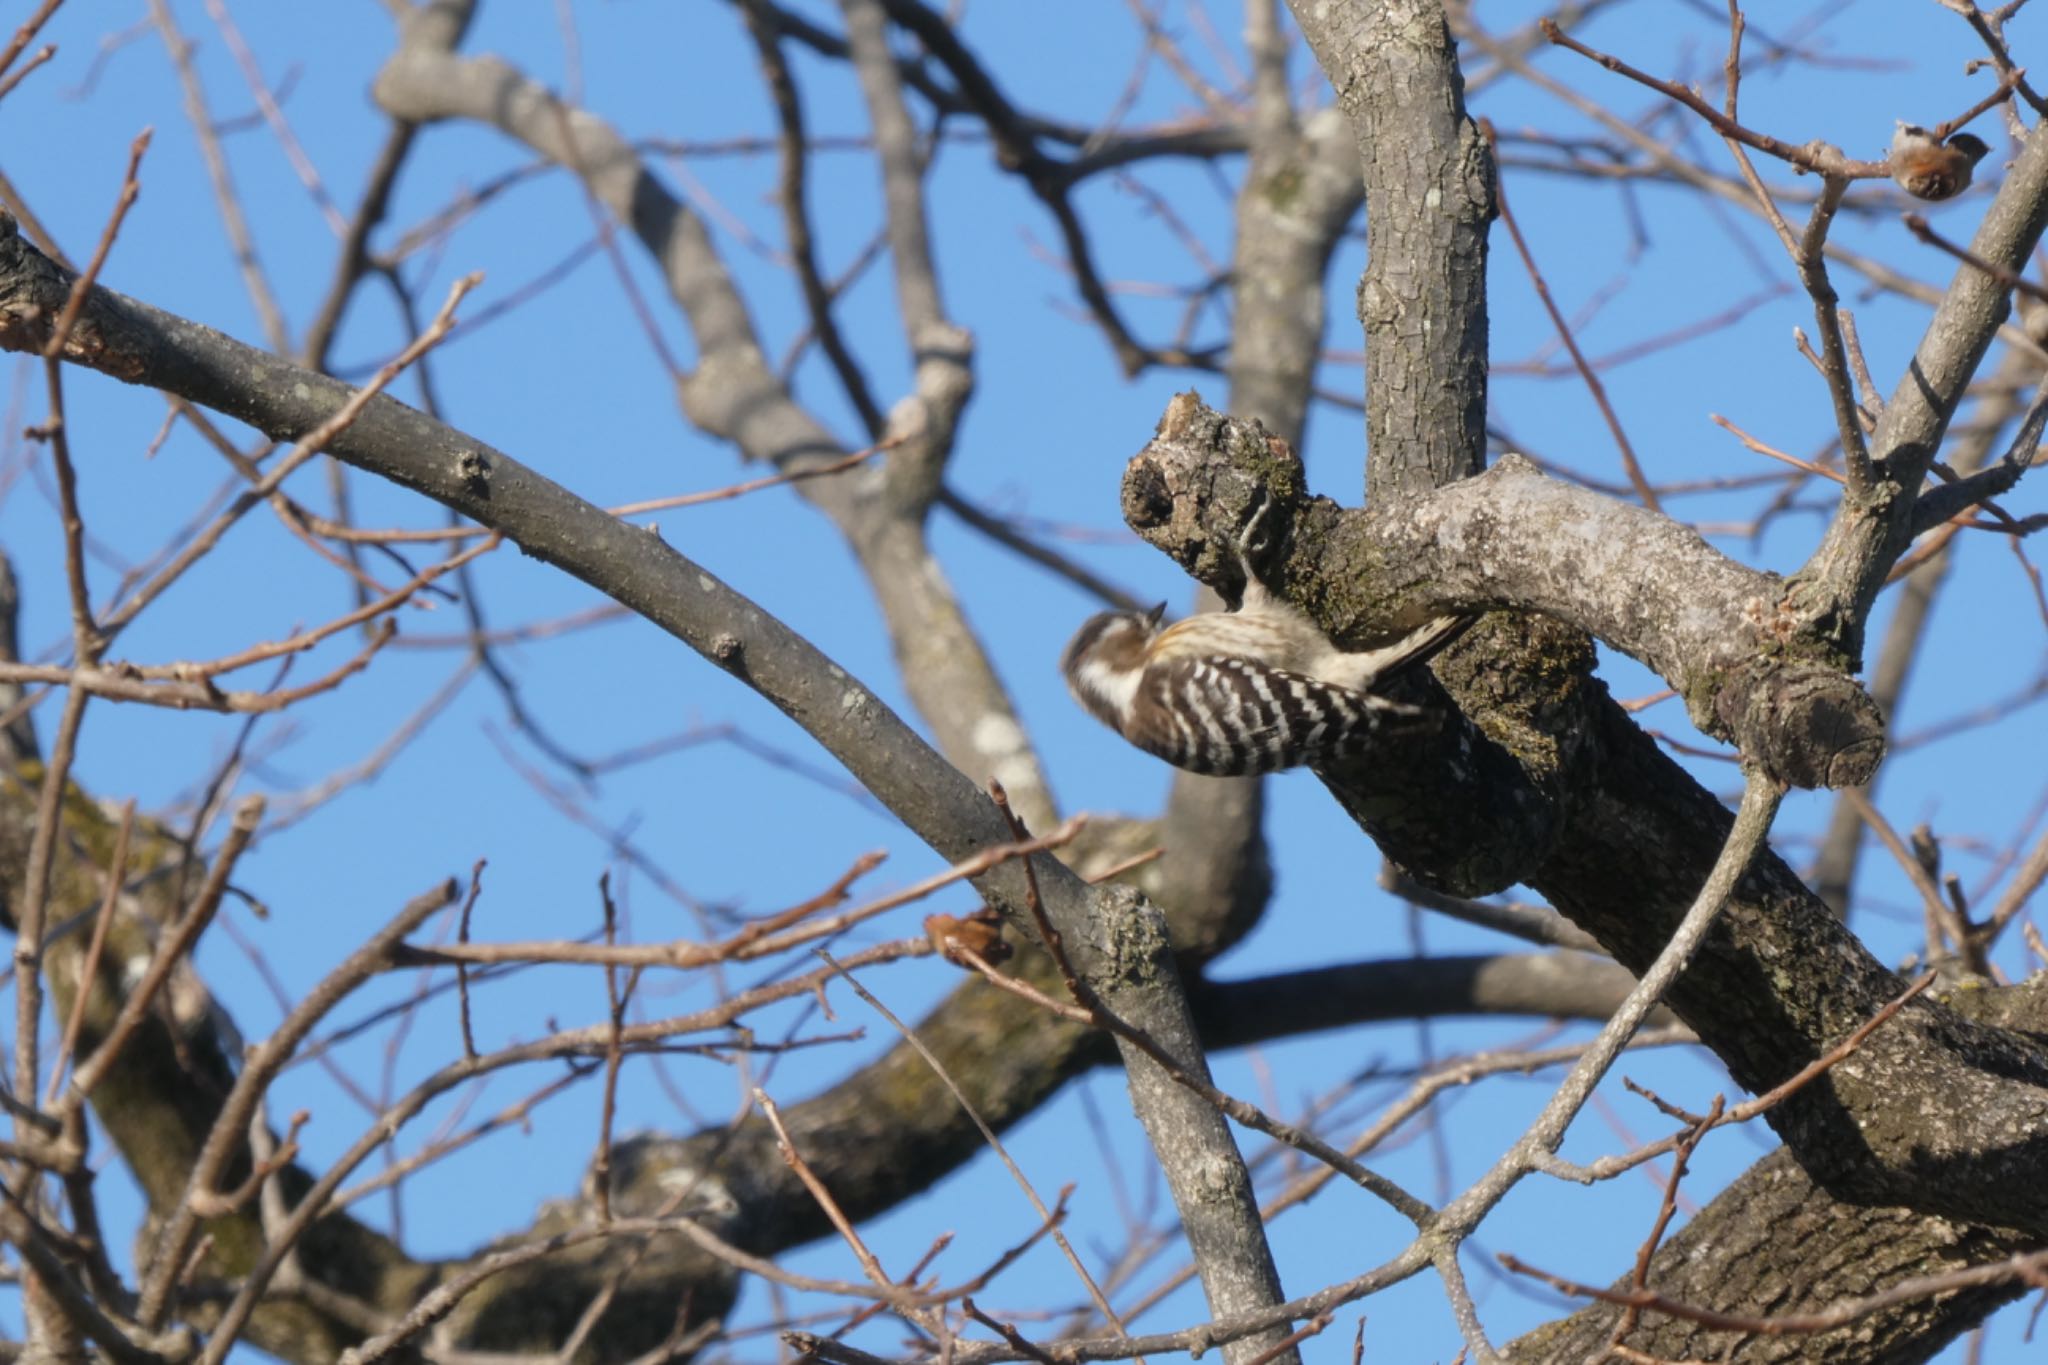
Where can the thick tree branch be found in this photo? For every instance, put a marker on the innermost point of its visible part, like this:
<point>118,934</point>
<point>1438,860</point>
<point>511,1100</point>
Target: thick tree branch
<point>734,394</point>
<point>1512,538</point>
<point>1775,1237</point>
<point>1429,190</point>
<point>1550,985</point>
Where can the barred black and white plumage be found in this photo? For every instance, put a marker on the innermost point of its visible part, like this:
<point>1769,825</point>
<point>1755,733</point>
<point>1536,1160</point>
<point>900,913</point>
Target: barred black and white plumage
<point>1233,717</point>
<point>1235,693</point>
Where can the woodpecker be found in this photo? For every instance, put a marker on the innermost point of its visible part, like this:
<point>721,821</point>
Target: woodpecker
<point>1242,692</point>
<point>1931,170</point>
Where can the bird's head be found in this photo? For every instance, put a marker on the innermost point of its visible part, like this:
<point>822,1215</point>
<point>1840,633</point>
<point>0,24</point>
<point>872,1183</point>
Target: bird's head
<point>1106,657</point>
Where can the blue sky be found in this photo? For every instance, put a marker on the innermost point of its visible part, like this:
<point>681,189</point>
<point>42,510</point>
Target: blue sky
<point>568,385</point>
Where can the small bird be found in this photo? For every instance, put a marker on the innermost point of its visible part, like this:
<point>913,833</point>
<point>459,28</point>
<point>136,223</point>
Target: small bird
<point>1927,169</point>
<point>1235,693</point>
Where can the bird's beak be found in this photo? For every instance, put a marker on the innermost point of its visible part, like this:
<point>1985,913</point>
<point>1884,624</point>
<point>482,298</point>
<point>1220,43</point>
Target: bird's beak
<point>1154,616</point>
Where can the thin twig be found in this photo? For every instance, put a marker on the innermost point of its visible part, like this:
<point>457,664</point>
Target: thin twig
<point>81,287</point>
<point>909,1036</point>
<point>833,1213</point>
<point>29,919</point>
<point>1817,157</point>
<point>1811,258</point>
<point>233,219</point>
<point>1688,1141</point>
<point>614,1057</point>
<point>87,640</point>
<point>88,971</point>
<point>476,886</point>
<point>1962,936</point>
<point>175,944</point>
<point>1634,468</point>
<point>1609,1166</point>
<point>2026,1268</point>
<point>753,941</point>
<point>175,1242</point>
<point>308,446</point>
<point>26,34</point>
<point>2000,275</point>
<point>1536,1148</point>
<point>1092,1011</point>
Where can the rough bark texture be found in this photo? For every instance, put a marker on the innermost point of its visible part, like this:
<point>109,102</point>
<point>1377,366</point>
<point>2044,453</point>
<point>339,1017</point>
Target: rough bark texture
<point>1202,465</point>
<point>1429,192</point>
<point>1779,981</point>
<point>1794,1249</point>
<point>1512,538</point>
